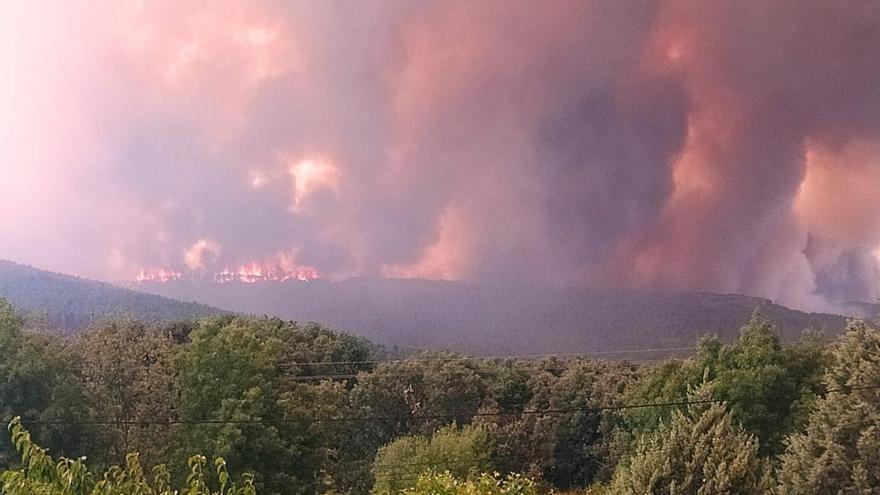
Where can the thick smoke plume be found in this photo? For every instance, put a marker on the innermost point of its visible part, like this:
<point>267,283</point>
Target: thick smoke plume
<point>681,145</point>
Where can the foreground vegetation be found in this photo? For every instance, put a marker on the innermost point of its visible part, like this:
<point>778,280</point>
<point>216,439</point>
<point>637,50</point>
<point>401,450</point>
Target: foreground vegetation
<point>296,409</point>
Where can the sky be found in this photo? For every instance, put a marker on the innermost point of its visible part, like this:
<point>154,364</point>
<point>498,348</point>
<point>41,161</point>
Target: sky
<point>654,145</point>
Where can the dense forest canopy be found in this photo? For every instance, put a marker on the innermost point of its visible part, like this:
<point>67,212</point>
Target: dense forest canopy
<point>287,408</point>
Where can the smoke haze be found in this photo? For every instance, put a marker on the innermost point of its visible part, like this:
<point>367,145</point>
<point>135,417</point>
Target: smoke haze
<point>670,145</point>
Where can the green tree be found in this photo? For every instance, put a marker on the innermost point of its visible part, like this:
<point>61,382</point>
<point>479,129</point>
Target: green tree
<point>840,450</point>
<point>769,387</point>
<point>427,391</point>
<point>509,385</point>
<point>666,381</point>
<point>463,452</point>
<point>127,370</point>
<point>567,446</point>
<point>318,351</point>
<point>38,381</point>
<point>41,475</point>
<point>700,451</point>
<point>417,396</point>
<point>241,389</point>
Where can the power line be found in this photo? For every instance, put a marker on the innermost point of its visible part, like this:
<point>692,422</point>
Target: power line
<point>566,355</point>
<point>408,471</point>
<point>600,447</point>
<point>502,357</point>
<point>409,373</point>
<point>487,359</point>
<point>391,473</point>
<point>341,419</point>
<point>398,374</point>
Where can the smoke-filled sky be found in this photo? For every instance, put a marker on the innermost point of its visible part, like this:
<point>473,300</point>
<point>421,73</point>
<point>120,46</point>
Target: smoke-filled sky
<point>682,145</point>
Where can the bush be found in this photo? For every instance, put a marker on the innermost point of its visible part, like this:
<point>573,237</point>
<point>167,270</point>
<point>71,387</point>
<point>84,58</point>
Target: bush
<point>434,483</point>
<point>840,450</point>
<point>699,452</point>
<point>40,474</point>
<point>461,452</point>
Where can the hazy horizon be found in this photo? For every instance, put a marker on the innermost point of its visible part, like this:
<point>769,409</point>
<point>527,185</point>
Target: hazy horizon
<point>661,146</point>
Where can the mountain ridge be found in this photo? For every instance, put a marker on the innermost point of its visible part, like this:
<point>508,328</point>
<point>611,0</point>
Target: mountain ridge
<point>70,303</point>
<point>419,314</point>
<point>487,320</point>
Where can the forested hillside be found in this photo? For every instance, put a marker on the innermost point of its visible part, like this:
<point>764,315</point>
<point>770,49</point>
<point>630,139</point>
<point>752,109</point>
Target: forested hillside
<point>422,314</point>
<point>417,314</point>
<point>284,408</point>
<point>70,303</point>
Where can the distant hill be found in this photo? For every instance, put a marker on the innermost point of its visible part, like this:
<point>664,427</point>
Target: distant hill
<point>420,314</point>
<point>868,311</point>
<point>499,320</point>
<point>71,303</point>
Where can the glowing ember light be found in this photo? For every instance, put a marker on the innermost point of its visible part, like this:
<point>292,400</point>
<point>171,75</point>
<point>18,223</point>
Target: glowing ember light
<point>224,276</point>
<point>443,260</point>
<point>310,176</point>
<point>674,52</point>
<point>157,275</point>
<point>195,256</point>
<point>258,179</point>
<point>257,35</point>
<point>182,61</point>
<point>251,273</point>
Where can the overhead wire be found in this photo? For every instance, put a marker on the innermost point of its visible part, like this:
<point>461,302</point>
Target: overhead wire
<point>478,414</point>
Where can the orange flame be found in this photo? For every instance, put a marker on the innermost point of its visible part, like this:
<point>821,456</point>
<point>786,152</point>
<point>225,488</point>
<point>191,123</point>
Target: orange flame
<point>279,268</point>
<point>157,275</point>
<point>276,270</point>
